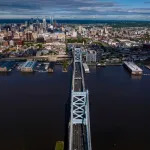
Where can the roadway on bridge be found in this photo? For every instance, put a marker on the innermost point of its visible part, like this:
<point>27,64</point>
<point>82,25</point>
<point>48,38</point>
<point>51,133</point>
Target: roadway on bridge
<point>79,130</point>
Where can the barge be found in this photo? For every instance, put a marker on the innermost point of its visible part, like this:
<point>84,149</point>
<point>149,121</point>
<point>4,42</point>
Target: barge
<point>86,68</point>
<point>133,68</point>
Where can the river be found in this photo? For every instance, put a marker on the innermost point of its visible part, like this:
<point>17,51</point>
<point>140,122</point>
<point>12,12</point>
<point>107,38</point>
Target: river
<point>32,109</point>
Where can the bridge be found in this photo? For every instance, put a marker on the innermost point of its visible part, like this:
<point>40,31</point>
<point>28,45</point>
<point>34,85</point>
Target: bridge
<point>79,125</point>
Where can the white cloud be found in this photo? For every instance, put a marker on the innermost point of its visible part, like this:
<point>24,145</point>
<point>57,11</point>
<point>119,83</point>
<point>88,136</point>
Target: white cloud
<point>71,8</point>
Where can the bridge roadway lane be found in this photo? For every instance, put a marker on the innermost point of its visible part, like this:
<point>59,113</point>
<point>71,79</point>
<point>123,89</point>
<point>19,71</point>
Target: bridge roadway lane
<point>78,87</point>
<point>79,130</point>
<point>79,137</point>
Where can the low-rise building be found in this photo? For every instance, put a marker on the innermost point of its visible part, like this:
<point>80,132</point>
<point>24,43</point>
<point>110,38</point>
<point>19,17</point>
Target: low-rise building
<point>28,66</point>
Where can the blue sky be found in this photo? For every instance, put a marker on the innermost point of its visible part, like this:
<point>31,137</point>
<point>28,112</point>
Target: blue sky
<point>77,9</point>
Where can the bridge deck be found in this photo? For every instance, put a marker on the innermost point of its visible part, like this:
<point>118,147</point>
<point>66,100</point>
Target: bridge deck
<point>79,130</point>
<point>78,87</point>
<point>79,137</point>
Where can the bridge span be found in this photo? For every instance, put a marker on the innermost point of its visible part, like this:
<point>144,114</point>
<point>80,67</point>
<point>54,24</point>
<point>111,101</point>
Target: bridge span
<point>79,125</point>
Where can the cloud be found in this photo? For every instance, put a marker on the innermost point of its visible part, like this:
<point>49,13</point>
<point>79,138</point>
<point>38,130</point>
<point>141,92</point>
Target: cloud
<point>42,7</point>
<point>70,9</point>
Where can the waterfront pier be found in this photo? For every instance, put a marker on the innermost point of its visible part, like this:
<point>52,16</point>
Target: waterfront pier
<point>79,125</point>
<point>86,68</point>
<point>7,66</point>
<point>133,68</point>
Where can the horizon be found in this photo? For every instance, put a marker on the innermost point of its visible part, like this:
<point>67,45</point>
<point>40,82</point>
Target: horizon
<point>75,19</point>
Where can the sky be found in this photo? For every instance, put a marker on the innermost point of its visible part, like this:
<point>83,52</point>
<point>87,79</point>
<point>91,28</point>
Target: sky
<point>76,9</point>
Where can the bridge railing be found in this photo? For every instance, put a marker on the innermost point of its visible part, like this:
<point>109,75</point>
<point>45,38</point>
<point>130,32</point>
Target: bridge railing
<point>88,123</point>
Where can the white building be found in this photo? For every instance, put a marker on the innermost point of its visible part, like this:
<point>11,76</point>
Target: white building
<point>11,43</point>
<point>74,34</point>
<point>91,56</point>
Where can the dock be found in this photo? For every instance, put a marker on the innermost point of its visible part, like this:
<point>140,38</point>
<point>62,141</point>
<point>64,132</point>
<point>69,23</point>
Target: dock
<point>28,66</point>
<point>101,65</point>
<point>133,68</point>
<point>51,67</point>
<point>41,67</point>
<point>7,66</point>
<point>86,68</point>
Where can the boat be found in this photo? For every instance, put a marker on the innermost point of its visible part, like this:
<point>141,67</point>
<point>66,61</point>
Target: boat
<point>101,65</point>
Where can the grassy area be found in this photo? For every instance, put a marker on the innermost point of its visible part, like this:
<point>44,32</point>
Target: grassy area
<point>76,40</point>
<point>101,43</point>
<point>65,64</point>
<point>59,145</point>
<point>28,44</point>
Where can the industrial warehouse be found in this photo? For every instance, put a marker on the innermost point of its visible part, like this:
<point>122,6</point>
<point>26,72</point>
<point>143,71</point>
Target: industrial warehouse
<point>28,66</point>
<point>7,66</point>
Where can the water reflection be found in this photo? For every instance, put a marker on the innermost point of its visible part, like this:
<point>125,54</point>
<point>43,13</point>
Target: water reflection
<point>136,77</point>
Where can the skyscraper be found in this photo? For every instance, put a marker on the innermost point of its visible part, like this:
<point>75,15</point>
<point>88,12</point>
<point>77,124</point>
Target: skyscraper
<point>44,24</point>
<point>51,20</point>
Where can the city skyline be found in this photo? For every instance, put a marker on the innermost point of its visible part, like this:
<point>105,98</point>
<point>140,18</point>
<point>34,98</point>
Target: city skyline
<point>76,9</point>
<point>74,84</point>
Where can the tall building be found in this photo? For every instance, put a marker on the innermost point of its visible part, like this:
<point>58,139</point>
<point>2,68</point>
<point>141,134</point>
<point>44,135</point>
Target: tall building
<point>74,34</point>
<point>29,37</point>
<point>80,29</point>
<point>26,23</point>
<point>31,27</point>
<point>51,20</point>
<point>91,56</point>
<point>44,24</point>
<point>31,21</point>
<point>37,21</point>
